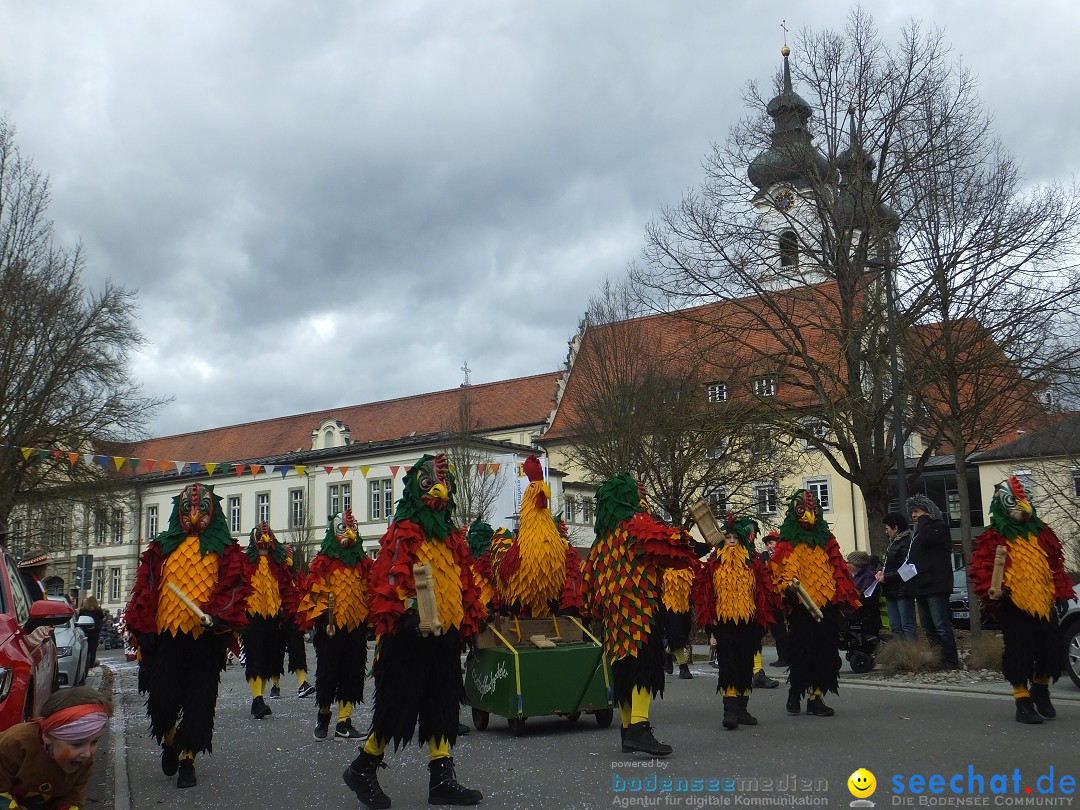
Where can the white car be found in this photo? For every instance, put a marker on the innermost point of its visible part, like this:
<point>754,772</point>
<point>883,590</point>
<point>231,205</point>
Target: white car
<point>72,648</point>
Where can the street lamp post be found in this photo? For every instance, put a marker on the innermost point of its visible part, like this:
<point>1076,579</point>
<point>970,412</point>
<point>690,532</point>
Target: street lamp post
<point>894,350</point>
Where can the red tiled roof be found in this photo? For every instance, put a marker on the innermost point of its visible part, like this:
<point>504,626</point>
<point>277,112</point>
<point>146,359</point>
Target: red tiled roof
<point>506,404</point>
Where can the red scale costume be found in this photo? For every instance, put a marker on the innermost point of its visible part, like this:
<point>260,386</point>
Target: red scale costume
<point>1035,588</point>
<point>181,659</point>
<point>335,602</point>
<point>808,551</point>
<point>270,607</point>
<point>539,574</point>
<point>418,686</point>
<point>734,600</point>
<point>622,581</point>
<point>480,544</point>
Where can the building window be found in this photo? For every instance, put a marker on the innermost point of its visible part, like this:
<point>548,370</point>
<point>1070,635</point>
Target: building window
<point>328,438</point>
<point>101,527</point>
<point>1076,481</point>
<point>952,504</point>
<point>338,498</point>
<point>16,532</point>
<point>817,430</point>
<point>381,503</point>
<point>151,522</point>
<point>716,392</point>
<point>114,584</point>
<point>262,507</point>
<point>118,525</point>
<point>789,249</point>
<point>58,533</point>
<point>587,511</point>
<point>717,449</point>
<point>99,583</point>
<point>765,385</point>
<point>296,508</point>
<point>716,498</point>
<point>234,514</point>
<point>765,498</point>
<point>762,440</point>
<point>820,489</point>
<point>570,509</point>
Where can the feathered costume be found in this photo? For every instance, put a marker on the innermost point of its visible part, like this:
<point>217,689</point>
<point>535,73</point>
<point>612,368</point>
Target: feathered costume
<point>335,602</point>
<point>273,599</point>
<point>480,537</point>
<point>180,659</point>
<point>622,583</point>
<point>675,597</point>
<point>295,638</point>
<point>808,551</point>
<point>539,574</point>
<point>418,677</point>
<point>734,600</point>
<point>1034,587</point>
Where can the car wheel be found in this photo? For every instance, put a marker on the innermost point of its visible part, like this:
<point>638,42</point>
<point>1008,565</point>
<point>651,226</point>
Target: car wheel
<point>1072,661</point>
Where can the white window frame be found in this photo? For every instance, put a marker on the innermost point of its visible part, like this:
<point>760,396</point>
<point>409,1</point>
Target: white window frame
<point>236,514</point>
<point>262,507</point>
<point>586,510</point>
<point>765,385</point>
<point>767,498</point>
<point>117,526</point>
<point>716,496</point>
<point>716,392</point>
<point>151,522</point>
<point>114,584</point>
<point>338,498</point>
<point>816,427</point>
<point>570,509</point>
<point>296,508</point>
<point>816,485</point>
<point>99,584</point>
<point>101,527</point>
<point>380,499</point>
<point>1076,482</point>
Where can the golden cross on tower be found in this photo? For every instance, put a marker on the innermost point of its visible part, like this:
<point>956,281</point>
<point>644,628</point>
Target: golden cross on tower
<point>783,24</point>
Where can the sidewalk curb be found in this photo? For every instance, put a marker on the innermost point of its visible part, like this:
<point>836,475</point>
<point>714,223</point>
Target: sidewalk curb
<point>118,730</point>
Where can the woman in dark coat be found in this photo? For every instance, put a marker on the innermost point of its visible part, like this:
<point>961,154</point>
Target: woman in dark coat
<point>898,599</point>
<point>91,608</point>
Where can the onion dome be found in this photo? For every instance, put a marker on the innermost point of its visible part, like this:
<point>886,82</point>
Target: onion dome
<point>791,158</point>
<point>857,187</point>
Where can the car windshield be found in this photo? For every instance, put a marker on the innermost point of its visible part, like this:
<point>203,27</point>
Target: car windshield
<point>959,580</point>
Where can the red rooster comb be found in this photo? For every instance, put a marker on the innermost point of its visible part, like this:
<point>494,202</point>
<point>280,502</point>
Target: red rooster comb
<point>533,469</point>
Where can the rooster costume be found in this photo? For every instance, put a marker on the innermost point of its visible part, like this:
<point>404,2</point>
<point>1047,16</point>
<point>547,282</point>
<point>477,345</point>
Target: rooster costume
<point>734,602</point>
<point>808,551</point>
<point>539,574</point>
<point>418,682</point>
<point>677,587</point>
<point>622,578</point>
<point>480,545</point>
<point>295,640</point>
<point>180,659</point>
<point>338,574</point>
<point>272,602</point>
<point>1034,589</point>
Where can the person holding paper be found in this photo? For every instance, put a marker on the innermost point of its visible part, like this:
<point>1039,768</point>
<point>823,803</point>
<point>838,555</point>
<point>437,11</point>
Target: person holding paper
<point>894,575</point>
<point>931,554</point>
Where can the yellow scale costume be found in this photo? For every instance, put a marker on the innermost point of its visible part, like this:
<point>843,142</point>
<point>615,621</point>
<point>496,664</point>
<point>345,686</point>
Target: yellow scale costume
<point>193,573</point>
<point>266,599</point>
<point>1028,577</point>
<point>446,578</point>
<point>810,564</point>
<point>349,587</point>
<point>734,583</point>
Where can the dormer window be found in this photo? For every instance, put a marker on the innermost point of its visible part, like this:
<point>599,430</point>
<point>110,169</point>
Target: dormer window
<point>716,392</point>
<point>331,433</point>
<point>789,249</point>
<point>765,385</point>
<point>329,438</point>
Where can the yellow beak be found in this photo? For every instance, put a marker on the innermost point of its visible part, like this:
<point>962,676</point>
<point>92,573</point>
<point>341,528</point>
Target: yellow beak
<point>439,491</point>
<point>809,518</point>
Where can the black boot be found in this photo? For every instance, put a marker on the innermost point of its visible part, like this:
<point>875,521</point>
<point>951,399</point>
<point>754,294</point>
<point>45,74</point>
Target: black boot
<point>1040,696</point>
<point>639,737</point>
<point>684,672</point>
<point>1025,712</point>
<point>731,713</point>
<point>763,681</point>
<point>362,778</point>
<point>745,718</point>
<point>443,787</point>
<point>170,759</point>
<point>322,726</point>
<point>816,706</point>
<point>794,702</point>
<point>186,777</point>
<point>669,663</point>
<point>259,709</point>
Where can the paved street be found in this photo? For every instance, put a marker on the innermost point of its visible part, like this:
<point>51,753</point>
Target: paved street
<point>893,732</point>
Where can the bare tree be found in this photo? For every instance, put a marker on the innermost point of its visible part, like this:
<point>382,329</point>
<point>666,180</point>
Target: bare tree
<point>641,403</point>
<point>478,486</point>
<point>65,380</point>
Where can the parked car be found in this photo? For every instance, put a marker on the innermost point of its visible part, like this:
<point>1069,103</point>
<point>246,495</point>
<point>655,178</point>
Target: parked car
<point>958,604</point>
<point>1070,628</point>
<point>28,672</point>
<point>72,648</point>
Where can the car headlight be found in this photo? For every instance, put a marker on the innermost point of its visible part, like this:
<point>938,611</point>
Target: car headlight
<point>6,676</point>
<point>63,652</point>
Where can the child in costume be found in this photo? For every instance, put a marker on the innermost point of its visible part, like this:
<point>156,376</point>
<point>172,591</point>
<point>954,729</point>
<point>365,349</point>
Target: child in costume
<point>273,597</point>
<point>734,600</point>
<point>180,654</point>
<point>807,551</point>
<point>47,762</point>
<point>1034,591</point>
<point>622,581</point>
<point>677,586</point>
<point>295,641</point>
<point>418,685</point>
<point>335,601</point>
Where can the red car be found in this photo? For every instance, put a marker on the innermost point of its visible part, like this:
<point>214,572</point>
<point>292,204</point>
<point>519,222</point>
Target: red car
<point>27,665</point>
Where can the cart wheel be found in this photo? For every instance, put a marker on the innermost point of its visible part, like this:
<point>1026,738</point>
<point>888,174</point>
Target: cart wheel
<point>861,662</point>
<point>603,717</point>
<point>573,716</point>
<point>480,718</point>
<point>517,725</point>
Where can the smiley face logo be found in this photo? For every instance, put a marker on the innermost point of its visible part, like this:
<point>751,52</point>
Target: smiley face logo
<point>862,783</point>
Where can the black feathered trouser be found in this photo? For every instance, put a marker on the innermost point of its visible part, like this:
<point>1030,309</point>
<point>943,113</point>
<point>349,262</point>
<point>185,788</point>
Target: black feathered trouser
<point>736,645</point>
<point>264,647</point>
<point>295,646</point>
<point>180,677</point>
<point>676,628</point>
<point>813,651</point>
<point>644,670</point>
<point>340,665</point>
<point>1033,647</point>
<point>418,687</point>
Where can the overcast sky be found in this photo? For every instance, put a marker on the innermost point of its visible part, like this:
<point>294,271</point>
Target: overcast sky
<point>329,203</point>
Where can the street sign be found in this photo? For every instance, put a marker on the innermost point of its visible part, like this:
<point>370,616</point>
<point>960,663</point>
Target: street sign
<point>84,571</point>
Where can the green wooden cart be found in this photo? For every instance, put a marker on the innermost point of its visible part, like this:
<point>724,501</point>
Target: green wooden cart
<point>509,676</point>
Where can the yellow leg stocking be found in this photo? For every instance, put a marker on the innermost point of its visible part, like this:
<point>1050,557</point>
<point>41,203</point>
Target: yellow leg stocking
<point>680,656</point>
<point>640,700</point>
<point>1020,690</point>
<point>257,685</point>
<point>438,748</point>
<point>758,665</point>
<point>624,714</point>
<point>187,755</point>
<point>814,693</point>
<point>170,736</point>
<point>344,712</point>
<point>301,677</point>
<point>374,746</point>
<point>730,691</point>
<point>1042,680</point>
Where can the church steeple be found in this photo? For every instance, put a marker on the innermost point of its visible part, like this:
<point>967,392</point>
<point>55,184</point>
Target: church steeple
<point>791,157</point>
<point>857,188</point>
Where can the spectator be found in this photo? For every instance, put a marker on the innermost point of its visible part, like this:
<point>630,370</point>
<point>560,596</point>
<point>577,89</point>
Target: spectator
<point>93,635</point>
<point>863,569</point>
<point>32,571</point>
<point>898,600</point>
<point>931,554</point>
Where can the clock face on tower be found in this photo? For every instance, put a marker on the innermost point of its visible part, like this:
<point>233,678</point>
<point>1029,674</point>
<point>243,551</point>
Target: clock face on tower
<point>784,201</point>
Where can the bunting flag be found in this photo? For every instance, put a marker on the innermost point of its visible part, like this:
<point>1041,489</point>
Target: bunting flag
<point>72,458</point>
<point>210,467</point>
<point>300,469</point>
<point>364,469</point>
<point>328,470</point>
<point>240,470</point>
<point>393,470</point>
<point>256,469</point>
<point>343,470</point>
<point>119,462</point>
